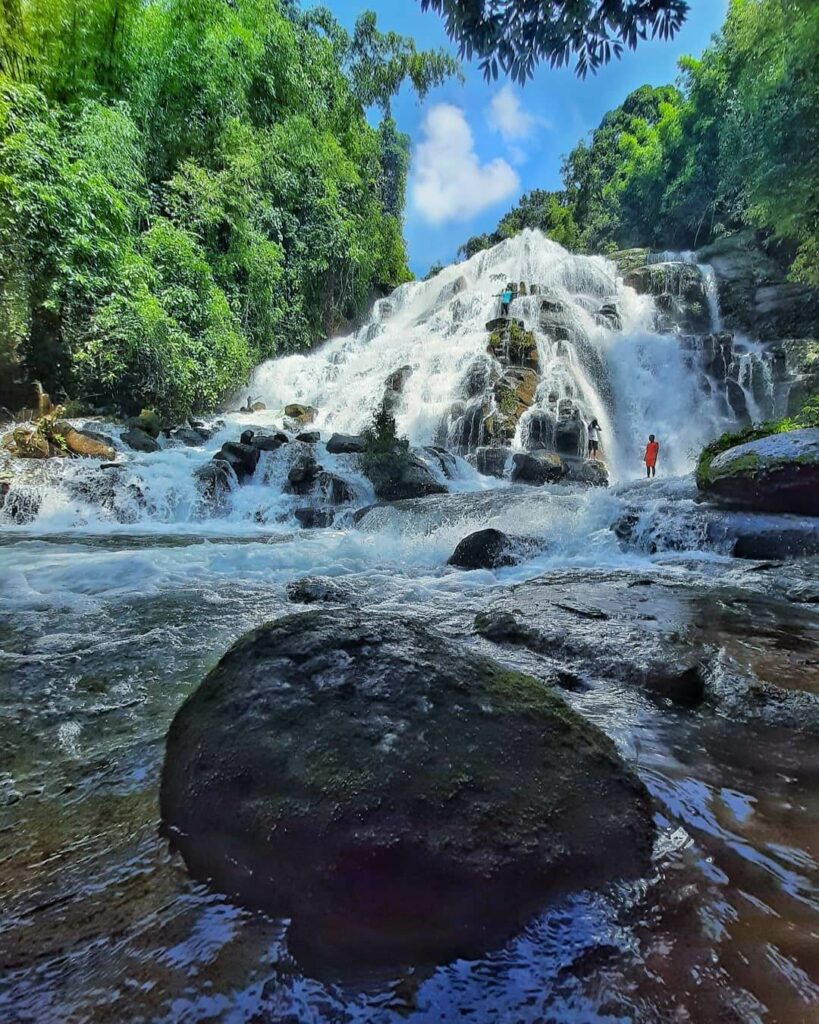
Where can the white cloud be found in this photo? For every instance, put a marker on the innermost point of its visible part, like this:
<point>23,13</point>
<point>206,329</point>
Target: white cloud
<point>506,116</point>
<point>449,181</point>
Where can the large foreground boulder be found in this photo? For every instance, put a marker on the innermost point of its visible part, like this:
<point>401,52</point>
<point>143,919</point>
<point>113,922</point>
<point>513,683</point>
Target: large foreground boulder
<point>398,796</point>
<point>779,473</point>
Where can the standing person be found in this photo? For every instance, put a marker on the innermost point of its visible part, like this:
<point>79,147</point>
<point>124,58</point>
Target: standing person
<point>594,439</point>
<point>506,299</point>
<point>652,451</point>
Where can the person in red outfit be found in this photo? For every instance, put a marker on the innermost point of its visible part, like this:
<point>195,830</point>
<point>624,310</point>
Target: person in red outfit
<point>652,451</point>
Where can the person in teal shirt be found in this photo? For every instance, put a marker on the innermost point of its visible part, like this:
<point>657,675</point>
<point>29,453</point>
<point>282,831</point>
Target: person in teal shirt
<point>506,299</point>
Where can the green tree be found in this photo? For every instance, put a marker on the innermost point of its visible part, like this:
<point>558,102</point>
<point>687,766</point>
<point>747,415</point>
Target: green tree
<point>515,35</point>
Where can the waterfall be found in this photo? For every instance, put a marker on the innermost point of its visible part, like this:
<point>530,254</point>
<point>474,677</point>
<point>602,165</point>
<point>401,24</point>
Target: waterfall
<point>634,380</point>
<point>709,281</point>
<point>580,344</point>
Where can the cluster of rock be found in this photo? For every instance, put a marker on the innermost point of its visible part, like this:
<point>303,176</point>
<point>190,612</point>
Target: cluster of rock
<point>500,397</point>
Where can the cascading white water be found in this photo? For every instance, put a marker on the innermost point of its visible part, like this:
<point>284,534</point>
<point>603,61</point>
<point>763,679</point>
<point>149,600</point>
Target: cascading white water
<point>613,366</point>
<point>640,382</point>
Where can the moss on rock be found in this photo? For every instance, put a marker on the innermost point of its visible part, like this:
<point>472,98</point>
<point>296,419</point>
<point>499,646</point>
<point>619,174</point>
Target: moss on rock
<point>397,794</point>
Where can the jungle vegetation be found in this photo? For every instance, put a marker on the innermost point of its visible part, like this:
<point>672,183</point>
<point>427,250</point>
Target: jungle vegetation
<point>188,187</point>
<point>734,144</point>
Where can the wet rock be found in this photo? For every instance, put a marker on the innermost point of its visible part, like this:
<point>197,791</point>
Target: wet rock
<point>489,549</point>
<point>258,407</point>
<point>778,544</point>
<point>443,459</point>
<point>83,443</point>
<point>737,401</point>
<point>479,377</point>
<point>592,472</point>
<point>26,442</point>
<point>270,442</point>
<point>246,437</point>
<point>302,414</point>
<point>148,422</point>
<point>314,518</point>
<point>303,473</point>
<point>502,628</point>
<point>398,796</point>
<point>680,289</point>
<point>401,474</point>
<point>686,644</point>
<point>139,440</point>
<point>609,316</point>
<point>398,378</point>
<point>215,480</point>
<point>315,590</point>
<point>538,431</point>
<point>19,505</point>
<point>537,468</point>
<point>309,437</point>
<point>491,461</point>
<point>570,436</point>
<point>755,296</point>
<point>346,444</point>
<point>335,489</point>
<point>242,458</point>
<point>191,436</point>
<point>779,473</point>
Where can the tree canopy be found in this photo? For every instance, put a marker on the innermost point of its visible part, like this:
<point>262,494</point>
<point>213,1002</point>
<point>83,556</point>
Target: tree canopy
<point>734,144</point>
<point>513,36</point>
<point>190,186</point>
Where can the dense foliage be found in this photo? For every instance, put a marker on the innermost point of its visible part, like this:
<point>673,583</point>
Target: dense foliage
<point>548,212</point>
<point>737,144</point>
<point>514,35</point>
<point>189,186</point>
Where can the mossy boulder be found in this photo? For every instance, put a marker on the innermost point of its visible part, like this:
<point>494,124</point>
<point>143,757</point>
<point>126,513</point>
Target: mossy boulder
<point>398,796</point>
<point>776,473</point>
<point>301,414</point>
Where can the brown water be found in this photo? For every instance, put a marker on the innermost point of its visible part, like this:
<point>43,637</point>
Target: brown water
<point>100,923</point>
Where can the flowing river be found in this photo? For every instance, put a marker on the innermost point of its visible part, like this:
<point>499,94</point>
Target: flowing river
<point>121,587</point>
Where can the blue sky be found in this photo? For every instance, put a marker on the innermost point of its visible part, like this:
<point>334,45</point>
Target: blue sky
<point>477,147</point>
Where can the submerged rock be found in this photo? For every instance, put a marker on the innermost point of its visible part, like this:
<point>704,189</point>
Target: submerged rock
<point>779,473</point>
<point>485,549</point>
<point>314,518</point>
<point>315,589</point>
<point>537,467</point>
<point>398,796</point>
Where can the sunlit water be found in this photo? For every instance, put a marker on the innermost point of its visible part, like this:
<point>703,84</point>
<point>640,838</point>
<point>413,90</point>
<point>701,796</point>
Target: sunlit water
<point>116,599</point>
